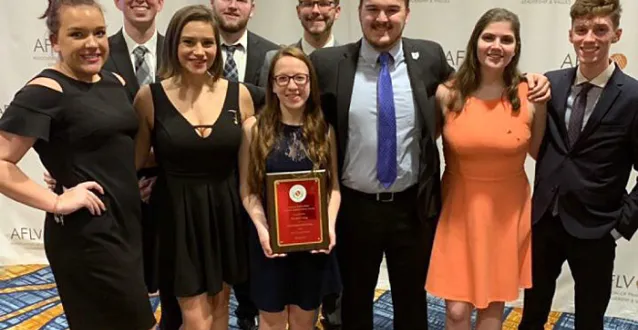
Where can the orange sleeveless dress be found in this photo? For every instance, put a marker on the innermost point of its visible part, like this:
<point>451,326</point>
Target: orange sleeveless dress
<point>482,246</point>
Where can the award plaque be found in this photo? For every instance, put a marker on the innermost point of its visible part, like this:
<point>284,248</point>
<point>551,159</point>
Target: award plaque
<point>297,204</point>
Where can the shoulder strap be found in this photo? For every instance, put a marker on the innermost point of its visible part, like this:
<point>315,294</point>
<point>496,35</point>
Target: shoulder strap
<point>55,75</point>
<point>232,96</point>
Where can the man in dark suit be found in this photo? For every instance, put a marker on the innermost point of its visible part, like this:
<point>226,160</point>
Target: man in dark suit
<point>580,205</point>
<point>244,54</point>
<point>317,18</point>
<point>243,50</point>
<point>388,159</point>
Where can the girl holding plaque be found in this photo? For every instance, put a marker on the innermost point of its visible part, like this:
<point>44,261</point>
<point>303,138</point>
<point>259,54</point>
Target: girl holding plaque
<point>289,135</point>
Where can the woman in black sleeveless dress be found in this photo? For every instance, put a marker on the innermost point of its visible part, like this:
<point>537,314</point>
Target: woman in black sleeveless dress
<point>80,122</point>
<point>192,119</point>
<point>288,135</point>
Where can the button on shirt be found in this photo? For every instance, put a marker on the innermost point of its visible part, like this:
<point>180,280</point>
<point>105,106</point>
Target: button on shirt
<point>360,164</point>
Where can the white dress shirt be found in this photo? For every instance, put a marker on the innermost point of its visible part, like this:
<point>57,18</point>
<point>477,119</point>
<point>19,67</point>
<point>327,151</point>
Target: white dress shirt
<point>307,48</point>
<point>151,55</point>
<point>240,56</point>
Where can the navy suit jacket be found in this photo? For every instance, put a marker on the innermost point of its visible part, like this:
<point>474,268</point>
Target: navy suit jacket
<point>590,177</point>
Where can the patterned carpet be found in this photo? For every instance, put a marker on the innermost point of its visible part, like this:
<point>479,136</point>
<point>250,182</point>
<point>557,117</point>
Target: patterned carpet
<point>28,300</point>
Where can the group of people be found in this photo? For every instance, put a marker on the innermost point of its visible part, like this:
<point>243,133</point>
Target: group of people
<point>157,148</point>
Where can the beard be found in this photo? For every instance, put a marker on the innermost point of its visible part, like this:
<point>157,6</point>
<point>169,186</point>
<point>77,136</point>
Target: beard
<point>230,27</point>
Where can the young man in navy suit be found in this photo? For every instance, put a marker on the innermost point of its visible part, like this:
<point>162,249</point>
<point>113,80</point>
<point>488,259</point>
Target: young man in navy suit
<point>580,205</point>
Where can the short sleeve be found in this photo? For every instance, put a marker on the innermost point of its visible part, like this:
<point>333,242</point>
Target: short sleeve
<point>32,111</point>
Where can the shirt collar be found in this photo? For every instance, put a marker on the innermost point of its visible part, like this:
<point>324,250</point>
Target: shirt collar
<point>600,80</point>
<point>371,55</point>
<point>308,48</point>
<point>243,41</point>
<point>150,44</point>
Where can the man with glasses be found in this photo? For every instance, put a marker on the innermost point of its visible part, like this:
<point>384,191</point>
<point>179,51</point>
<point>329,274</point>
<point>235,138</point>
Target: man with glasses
<point>317,18</point>
<point>243,53</point>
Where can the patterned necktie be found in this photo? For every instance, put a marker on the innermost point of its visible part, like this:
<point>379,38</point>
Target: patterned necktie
<point>387,126</point>
<point>578,113</point>
<point>142,70</point>
<point>230,68</point>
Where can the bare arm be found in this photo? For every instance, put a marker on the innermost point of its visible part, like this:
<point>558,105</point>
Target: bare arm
<point>539,121</point>
<point>13,182</point>
<point>441,99</point>
<point>145,112</point>
<point>19,187</point>
<point>252,201</point>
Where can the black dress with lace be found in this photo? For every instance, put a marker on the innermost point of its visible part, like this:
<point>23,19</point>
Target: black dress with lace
<point>300,278</point>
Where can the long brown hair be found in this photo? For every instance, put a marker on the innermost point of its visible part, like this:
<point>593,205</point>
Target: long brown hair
<point>269,127</point>
<point>170,66</point>
<point>467,79</point>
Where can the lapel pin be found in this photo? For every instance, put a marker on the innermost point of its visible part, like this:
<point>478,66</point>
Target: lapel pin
<point>415,55</point>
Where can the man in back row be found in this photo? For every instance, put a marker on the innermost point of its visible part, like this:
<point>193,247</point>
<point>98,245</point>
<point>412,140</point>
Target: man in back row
<point>243,52</point>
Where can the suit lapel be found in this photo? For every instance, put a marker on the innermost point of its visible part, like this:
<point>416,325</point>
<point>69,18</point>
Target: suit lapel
<point>605,102</point>
<point>254,60</point>
<point>563,89</point>
<point>345,82</point>
<point>122,61</point>
<point>415,71</point>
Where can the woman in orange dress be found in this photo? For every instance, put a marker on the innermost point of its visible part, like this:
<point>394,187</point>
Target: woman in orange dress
<point>481,254</point>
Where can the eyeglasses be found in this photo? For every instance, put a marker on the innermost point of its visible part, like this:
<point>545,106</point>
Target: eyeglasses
<point>283,80</point>
<point>323,4</point>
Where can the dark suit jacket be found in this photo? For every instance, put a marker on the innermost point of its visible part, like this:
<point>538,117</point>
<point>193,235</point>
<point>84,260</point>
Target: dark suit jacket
<point>590,177</point>
<point>427,68</point>
<point>256,53</point>
<point>263,78</point>
<point>119,61</point>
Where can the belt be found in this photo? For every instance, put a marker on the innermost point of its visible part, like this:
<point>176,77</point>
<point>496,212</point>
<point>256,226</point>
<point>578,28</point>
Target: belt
<point>384,197</point>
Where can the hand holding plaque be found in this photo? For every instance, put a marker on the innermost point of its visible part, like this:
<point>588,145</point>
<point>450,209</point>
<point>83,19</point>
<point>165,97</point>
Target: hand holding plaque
<point>297,208</point>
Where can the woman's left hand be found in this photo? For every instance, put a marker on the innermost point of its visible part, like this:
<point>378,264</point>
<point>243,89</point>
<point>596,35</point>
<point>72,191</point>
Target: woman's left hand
<point>333,242</point>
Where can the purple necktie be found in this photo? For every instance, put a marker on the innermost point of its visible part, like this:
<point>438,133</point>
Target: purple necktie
<point>387,129</point>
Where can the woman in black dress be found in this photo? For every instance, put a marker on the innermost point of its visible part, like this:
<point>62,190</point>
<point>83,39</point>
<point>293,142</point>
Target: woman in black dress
<point>80,122</point>
<point>192,119</point>
<point>288,135</point>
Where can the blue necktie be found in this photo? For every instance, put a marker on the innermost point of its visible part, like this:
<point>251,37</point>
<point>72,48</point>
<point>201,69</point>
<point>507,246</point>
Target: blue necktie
<point>387,127</point>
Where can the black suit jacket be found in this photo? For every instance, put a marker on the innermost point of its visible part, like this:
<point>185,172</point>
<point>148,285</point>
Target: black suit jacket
<point>589,178</point>
<point>427,68</point>
<point>119,61</point>
<point>256,53</point>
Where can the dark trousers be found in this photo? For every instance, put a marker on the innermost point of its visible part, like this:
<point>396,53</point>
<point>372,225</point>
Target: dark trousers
<point>367,229</point>
<point>246,309</point>
<point>591,262</point>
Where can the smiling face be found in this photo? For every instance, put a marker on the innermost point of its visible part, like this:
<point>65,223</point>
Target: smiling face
<point>232,15</point>
<point>140,11</point>
<point>496,46</point>
<point>81,40</point>
<point>318,17</point>
<point>383,21</point>
<point>197,47</point>
<point>592,38</point>
<point>291,82</point>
